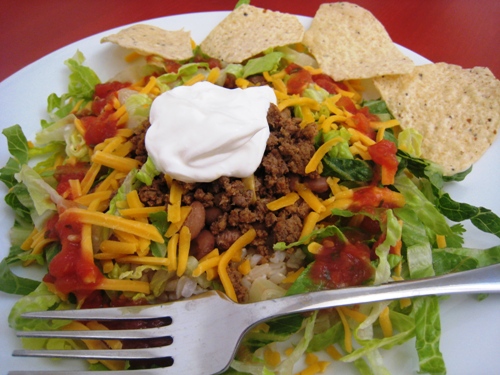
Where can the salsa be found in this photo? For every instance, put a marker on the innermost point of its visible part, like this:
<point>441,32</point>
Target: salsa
<point>340,265</point>
<point>70,271</point>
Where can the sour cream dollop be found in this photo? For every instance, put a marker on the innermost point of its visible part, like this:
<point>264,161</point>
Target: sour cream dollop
<point>202,132</point>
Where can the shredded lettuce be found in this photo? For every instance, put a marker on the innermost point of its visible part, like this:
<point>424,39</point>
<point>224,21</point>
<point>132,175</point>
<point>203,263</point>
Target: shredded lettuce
<point>40,299</point>
<point>147,172</point>
<point>299,58</point>
<point>187,71</point>
<point>40,193</point>
<point>266,63</point>
<point>410,141</point>
<point>393,233</point>
<point>82,81</point>
<point>341,149</point>
<point>13,284</point>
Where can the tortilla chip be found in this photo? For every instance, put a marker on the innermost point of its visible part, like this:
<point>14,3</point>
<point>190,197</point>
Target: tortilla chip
<point>350,43</point>
<point>456,110</point>
<point>152,40</point>
<point>248,30</point>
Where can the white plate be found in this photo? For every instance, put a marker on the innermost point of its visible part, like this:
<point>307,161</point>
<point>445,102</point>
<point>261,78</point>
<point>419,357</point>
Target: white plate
<point>471,329</point>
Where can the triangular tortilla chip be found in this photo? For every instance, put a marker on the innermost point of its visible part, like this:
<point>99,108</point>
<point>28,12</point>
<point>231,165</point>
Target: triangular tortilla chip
<point>456,110</point>
<point>152,40</point>
<point>350,43</point>
<point>248,30</point>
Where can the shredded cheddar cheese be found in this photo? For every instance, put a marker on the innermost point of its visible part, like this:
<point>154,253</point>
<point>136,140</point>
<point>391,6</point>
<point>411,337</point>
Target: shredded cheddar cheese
<point>385,322</point>
<point>333,352</point>
<point>286,200</point>
<point>347,331</point>
<point>309,224</point>
<point>184,242</point>
<point>310,198</point>
<point>197,78</point>
<point>114,222</point>
<point>205,265</point>
<point>241,242</point>
<point>122,164</point>
<point>320,153</point>
<point>296,100</point>
<point>172,252</point>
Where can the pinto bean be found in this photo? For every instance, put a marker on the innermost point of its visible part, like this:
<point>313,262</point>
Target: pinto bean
<point>202,244</point>
<point>317,185</point>
<point>212,214</point>
<point>196,219</point>
<point>225,239</point>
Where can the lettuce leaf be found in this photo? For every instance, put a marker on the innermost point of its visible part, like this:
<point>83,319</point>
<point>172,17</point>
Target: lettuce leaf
<point>17,143</point>
<point>266,63</point>
<point>13,284</point>
<point>428,333</point>
<point>393,234</point>
<point>347,169</point>
<point>82,81</point>
<point>427,213</point>
<point>483,218</point>
<point>462,259</point>
<point>39,190</point>
<point>41,299</point>
<point>147,172</point>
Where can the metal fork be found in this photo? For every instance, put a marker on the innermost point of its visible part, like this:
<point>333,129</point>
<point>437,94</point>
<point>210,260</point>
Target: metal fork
<point>206,330</point>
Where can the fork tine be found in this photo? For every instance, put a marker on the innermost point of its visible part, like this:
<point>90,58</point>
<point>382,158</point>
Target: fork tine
<point>155,371</point>
<point>112,334</point>
<point>107,313</point>
<point>122,354</point>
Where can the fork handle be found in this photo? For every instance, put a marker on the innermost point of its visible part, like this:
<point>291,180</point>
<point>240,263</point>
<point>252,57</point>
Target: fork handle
<point>481,280</point>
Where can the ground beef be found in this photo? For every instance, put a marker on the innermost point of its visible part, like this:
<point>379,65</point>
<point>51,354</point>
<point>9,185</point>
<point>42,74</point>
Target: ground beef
<point>289,149</point>
<point>154,195</point>
<point>235,277</point>
<point>139,148</point>
<point>232,206</point>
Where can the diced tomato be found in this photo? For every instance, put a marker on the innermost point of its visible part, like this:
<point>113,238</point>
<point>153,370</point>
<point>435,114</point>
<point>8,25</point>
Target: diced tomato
<point>347,104</point>
<point>98,128</point>
<point>64,173</point>
<point>339,265</point>
<point>104,94</point>
<point>363,115</point>
<point>50,226</point>
<point>212,62</point>
<point>326,82</point>
<point>374,196</point>
<point>299,79</point>
<point>171,66</point>
<point>293,68</point>
<point>362,124</point>
<point>384,154</point>
<point>98,105</point>
<point>370,116</point>
<point>69,270</point>
<point>102,90</point>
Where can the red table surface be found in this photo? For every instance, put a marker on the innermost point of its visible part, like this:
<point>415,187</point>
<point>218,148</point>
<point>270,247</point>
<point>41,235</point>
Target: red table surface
<point>462,32</point>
